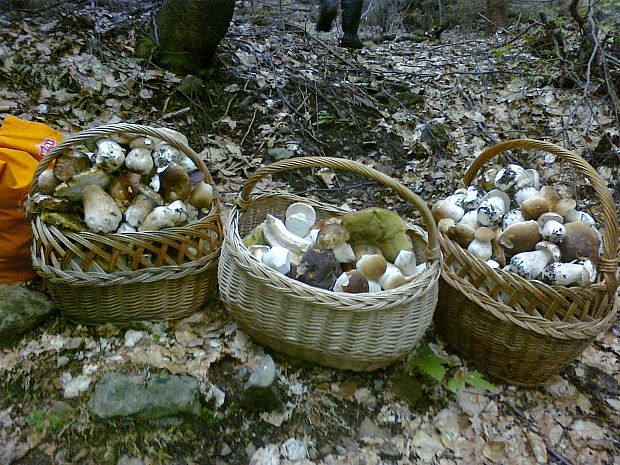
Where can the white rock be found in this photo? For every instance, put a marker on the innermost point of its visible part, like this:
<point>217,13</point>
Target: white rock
<point>293,450</point>
<point>132,337</point>
<point>73,387</point>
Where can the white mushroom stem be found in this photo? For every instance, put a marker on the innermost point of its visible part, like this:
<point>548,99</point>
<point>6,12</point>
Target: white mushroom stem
<point>530,264</point>
<point>344,253</point>
<point>567,274</point>
<point>406,262</point>
<point>392,278</point>
<point>481,246</point>
<point>278,258</point>
<point>166,216</point>
<point>576,215</point>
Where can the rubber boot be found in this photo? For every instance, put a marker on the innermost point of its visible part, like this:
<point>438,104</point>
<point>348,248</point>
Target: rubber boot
<point>351,15</point>
<point>327,13</point>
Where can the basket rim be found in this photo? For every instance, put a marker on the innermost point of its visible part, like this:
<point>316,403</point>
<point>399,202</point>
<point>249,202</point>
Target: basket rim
<point>386,298</point>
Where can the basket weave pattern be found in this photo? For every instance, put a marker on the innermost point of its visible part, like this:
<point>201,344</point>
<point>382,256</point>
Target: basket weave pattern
<point>360,332</point>
<point>517,330</point>
<point>149,275</point>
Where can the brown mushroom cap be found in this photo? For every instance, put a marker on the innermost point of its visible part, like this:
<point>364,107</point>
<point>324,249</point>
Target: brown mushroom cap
<point>357,283</point>
<point>462,234</point>
<point>533,207</point>
<point>520,237</point>
<point>550,195</point>
<point>562,207</point>
<point>332,235</point>
<point>372,266</point>
<point>581,242</point>
<point>445,225</point>
<point>174,183</point>
<point>125,187</point>
<point>365,248</point>
<point>68,165</point>
<point>484,234</point>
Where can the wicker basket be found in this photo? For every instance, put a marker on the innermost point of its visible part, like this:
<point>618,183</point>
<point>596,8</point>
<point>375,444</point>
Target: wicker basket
<point>360,332</point>
<point>520,331</point>
<point>157,275</point>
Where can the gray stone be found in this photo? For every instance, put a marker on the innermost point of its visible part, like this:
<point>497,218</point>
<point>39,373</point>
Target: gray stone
<point>368,429</point>
<point>225,450</point>
<point>125,460</point>
<point>118,395</point>
<point>20,310</point>
<point>389,451</point>
<point>278,153</point>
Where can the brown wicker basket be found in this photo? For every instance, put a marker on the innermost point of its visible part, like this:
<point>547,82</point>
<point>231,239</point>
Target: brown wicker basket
<point>156,275</point>
<point>360,332</point>
<point>515,330</point>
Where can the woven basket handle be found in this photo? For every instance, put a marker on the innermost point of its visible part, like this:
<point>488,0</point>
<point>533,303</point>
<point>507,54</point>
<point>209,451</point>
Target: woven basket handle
<point>109,129</point>
<point>608,265</point>
<point>244,200</point>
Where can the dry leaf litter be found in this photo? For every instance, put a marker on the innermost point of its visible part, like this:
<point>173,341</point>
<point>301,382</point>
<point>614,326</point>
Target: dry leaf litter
<point>280,90</point>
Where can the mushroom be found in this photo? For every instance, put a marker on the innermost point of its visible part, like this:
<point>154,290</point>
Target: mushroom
<point>276,234</point>
<point>352,282</point>
<point>509,176</point>
<point>447,209</point>
<point>532,179</point>
<point>257,251</point>
<point>525,193</point>
<point>201,195</point>
<point>318,268</point>
<point>174,182</point>
<point>109,155</point>
<point>125,228</point>
<point>520,237</point>
<point>551,196</point>
<point>125,187</point>
<point>372,266</point>
<point>101,213</point>
<point>334,236</point>
<point>581,242</point>
<point>277,258</point>
<point>304,209</point>
<point>530,264</point>
<point>139,209</point>
<point>142,143</point>
<point>492,209</point>
<point>472,198</point>
<point>566,274</point>
<point>46,182</point>
<point>470,219</point>
<point>364,248</point>
<point>165,216</point>
<point>392,278</point>
<point>298,223</point>
<point>567,208</point>
<point>68,165</point>
<point>493,264</point>
<point>461,233</point>
<point>551,227</point>
<point>533,207</point>
<point>512,217</point>
<point>481,246</point>
<point>164,154</point>
<point>72,189</point>
<point>139,160</point>
<point>487,180</point>
<point>406,263</point>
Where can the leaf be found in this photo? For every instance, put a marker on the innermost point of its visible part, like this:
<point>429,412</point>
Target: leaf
<point>457,383</point>
<point>475,379</point>
<point>429,364</point>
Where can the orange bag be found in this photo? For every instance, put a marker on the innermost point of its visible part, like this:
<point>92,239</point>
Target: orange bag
<point>22,145</point>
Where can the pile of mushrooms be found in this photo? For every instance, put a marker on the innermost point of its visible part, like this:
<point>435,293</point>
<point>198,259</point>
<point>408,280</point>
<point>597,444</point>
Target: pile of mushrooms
<point>512,222</point>
<point>120,185</point>
<point>319,253</point>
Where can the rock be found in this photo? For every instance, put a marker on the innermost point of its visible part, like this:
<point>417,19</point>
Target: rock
<point>293,450</point>
<point>278,153</point>
<point>225,450</point>
<point>389,451</point>
<point>261,392</point>
<point>118,395</point>
<point>125,460</point>
<point>368,429</point>
<point>73,387</point>
<point>20,310</point>
<point>268,455</point>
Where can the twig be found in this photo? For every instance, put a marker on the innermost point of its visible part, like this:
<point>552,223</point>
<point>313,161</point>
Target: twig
<point>249,127</point>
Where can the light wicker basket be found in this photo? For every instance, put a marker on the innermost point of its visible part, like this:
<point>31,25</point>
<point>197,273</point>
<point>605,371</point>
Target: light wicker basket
<point>360,332</point>
<point>156,275</point>
<point>515,330</point>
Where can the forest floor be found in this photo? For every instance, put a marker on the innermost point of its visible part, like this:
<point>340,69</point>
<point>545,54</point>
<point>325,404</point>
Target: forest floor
<point>417,109</point>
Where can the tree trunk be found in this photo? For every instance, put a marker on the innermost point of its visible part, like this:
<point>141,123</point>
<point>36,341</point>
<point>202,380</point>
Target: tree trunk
<point>497,12</point>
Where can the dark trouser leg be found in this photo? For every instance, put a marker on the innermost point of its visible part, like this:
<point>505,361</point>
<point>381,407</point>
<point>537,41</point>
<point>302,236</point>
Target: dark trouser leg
<point>327,13</point>
<point>351,14</point>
